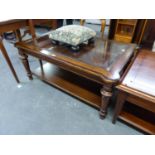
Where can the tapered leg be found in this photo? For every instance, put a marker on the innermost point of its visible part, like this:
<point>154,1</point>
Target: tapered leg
<point>106,93</point>
<point>103,24</point>
<point>33,34</point>
<point>41,65</point>
<point>82,21</point>
<point>24,59</point>
<point>119,105</point>
<point>4,52</point>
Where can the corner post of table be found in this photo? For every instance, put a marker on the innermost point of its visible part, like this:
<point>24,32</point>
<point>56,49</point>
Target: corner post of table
<point>119,104</point>
<point>24,59</point>
<point>106,93</point>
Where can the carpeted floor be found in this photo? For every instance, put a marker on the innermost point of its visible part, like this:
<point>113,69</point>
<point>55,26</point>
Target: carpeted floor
<point>35,107</point>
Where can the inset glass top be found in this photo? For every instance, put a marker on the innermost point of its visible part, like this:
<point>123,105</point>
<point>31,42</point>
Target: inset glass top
<point>103,53</point>
<point>105,57</point>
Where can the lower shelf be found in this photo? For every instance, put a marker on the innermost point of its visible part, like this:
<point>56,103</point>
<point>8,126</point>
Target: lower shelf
<point>75,85</point>
<point>139,118</point>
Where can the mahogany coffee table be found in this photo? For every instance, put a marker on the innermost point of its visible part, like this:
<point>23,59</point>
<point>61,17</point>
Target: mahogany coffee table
<point>89,74</point>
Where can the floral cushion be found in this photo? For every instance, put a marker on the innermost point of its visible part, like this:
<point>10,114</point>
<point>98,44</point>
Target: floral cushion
<point>72,34</point>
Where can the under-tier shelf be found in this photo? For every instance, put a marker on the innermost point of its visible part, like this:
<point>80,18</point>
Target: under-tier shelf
<point>73,84</point>
<point>139,118</point>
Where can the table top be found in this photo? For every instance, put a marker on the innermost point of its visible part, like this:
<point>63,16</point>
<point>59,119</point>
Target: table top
<point>141,75</point>
<point>105,58</point>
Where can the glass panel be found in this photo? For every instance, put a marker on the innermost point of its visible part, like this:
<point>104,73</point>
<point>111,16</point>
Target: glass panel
<point>102,53</point>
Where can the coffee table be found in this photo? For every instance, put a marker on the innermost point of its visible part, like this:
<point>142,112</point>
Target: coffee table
<point>89,74</point>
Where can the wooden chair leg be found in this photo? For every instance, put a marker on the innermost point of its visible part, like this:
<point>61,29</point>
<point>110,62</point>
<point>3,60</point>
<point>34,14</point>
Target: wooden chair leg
<point>82,21</point>
<point>33,34</point>
<point>41,64</point>
<point>103,24</point>
<point>4,52</point>
<point>119,105</point>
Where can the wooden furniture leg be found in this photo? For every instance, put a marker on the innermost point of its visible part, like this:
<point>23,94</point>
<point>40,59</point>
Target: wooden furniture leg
<point>103,24</point>
<point>119,105</point>
<point>33,34</point>
<point>24,59</point>
<point>4,52</point>
<point>41,65</point>
<point>82,21</point>
<point>18,35</point>
<point>106,93</point>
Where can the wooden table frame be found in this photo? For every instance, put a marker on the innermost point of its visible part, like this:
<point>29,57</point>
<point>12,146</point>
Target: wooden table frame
<point>96,74</point>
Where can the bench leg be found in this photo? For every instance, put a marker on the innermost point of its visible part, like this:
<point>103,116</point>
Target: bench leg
<point>106,93</point>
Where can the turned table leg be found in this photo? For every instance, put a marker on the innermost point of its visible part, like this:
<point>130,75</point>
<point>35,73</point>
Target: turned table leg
<point>24,59</point>
<point>4,52</point>
<point>23,56</point>
<point>106,93</point>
